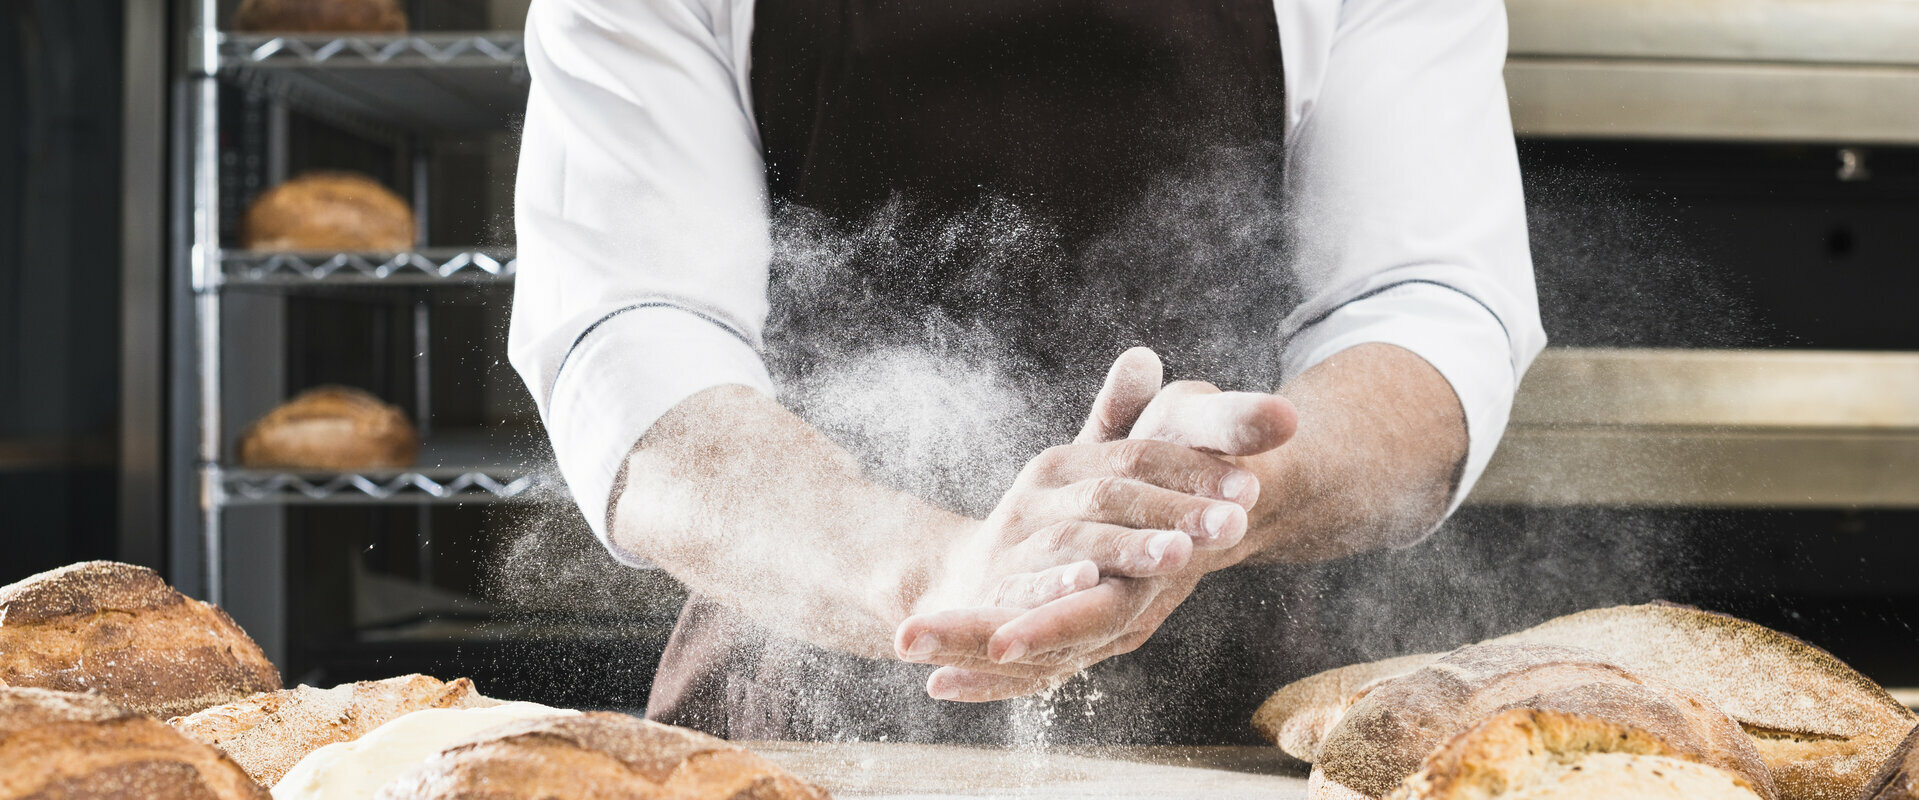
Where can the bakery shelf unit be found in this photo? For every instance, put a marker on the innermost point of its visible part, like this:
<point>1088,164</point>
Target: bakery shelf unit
<point>402,89</point>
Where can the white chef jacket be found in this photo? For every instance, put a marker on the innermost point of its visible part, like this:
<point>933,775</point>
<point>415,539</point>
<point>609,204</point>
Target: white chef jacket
<point>643,222</point>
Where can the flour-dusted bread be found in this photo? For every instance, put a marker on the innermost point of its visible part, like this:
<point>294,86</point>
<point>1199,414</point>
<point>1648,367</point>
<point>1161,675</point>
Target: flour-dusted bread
<point>1394,724</point>
<point>597,755</point>
<point>1898,777</point>
<point>1529,754</point>
<point>66,745</point>
<point>1301,713</point>
<point>1822,727</point>
<point>121,631</point>
<point>329,211</point>
<point>331,428</point>
<point>320,16</point>
<point>269,732</point>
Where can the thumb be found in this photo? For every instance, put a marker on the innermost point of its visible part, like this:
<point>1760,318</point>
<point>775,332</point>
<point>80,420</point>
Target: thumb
<point>1130,385</point>
<point>1199,416</point>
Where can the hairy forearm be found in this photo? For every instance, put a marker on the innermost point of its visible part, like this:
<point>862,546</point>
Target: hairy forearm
<point>1380,443</point>
<point>747,504</point>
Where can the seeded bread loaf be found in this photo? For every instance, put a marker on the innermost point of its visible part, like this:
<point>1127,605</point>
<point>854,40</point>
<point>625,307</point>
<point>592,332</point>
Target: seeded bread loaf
<point>61,745</point>
<point>329,211</point>
<point>1529,754</point>
<point>269,732</point>
<point>320,16</point>
<point>1394,724</point>
<point>121,631</point>
<point>597,755</point>
<point>331,428</point>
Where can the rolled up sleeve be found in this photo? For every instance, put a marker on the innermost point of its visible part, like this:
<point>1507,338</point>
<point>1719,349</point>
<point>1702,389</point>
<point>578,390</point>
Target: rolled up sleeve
<point>642,227</point>
<point>1410,213</point>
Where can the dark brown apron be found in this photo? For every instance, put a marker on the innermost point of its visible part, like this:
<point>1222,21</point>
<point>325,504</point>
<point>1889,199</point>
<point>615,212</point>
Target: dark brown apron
<point>1041,183</point>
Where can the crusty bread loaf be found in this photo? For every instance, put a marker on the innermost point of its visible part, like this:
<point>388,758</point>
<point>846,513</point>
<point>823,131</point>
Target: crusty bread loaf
<point>1529,754</point>
<point>1301,713</point>
<point>320,16</point>
<point>119,630</point>
<point>1821,726</point>
<point>597,755</point>
<point>1395,724</point>
<point>269,732</point>
<point>329,211</point>
<point>331,428</point>
<point>60,745</point>
<point>1898,777</point>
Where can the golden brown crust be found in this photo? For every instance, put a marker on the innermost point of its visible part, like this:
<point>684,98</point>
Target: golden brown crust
<point>121,631</point>
<point>66,745</point>
<point>331,428</point>
<point>1394,725</point>
<point>320,16</point>
<point>269,732</point>
<point>1301,713</point>
<point>329,211</point>
<point>598,755</point>
<point>1898,777</point>
<point>1524,752</point>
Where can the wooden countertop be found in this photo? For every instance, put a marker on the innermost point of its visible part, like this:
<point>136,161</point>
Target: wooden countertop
<point>883,771</point>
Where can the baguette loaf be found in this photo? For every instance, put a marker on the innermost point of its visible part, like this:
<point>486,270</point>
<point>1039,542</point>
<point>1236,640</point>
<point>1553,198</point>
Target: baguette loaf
<point>269,732</point>
<point>331,428</point>
<point>59,745</point>
<point>329,211</point>
<point>320,16</point>
<point>1528,754</point>
<point>1396,723</point>
<point>597,755</point>
<point>121,631</point>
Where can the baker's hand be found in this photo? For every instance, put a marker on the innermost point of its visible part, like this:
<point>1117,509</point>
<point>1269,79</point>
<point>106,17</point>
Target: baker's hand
<point>1005,650</point>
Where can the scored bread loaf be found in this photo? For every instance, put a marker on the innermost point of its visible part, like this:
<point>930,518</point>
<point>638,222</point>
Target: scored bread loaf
<point>331,428</point>
<point>269,732</point>
<point>57,745</point>
<point>320,16</point>
<point>597,755</point>
<point>1301,713</point>
<point>119,630</point>
<point>1530,754</point>
<point>1898,777</point>
<point>1394,724</point>
<point>329,211</point>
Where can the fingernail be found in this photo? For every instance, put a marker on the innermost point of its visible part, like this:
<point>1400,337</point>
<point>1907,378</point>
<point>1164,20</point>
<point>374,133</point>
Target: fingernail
<point>923,646</point>
<point>1013,652</point>
<point>1235,484</point>
<point>939,691</point>
<point>1216,519</point>
<point>1156,546</point>
<point>1071,577</point>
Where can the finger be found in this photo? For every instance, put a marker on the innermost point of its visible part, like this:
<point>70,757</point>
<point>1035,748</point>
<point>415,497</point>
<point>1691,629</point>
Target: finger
<point>960,632</point>
<point>1035,589</point>
<point>1162,464</point>
<point>1202,417</point>
<point>1113,549</point>
<point>1130,385</point>
<point>1142,506</point>
<point>971,686</point>
<point>1087,619</point>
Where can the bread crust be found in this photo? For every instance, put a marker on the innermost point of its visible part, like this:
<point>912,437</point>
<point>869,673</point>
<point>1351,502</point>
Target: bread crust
<point>1395,724</point>
<point>1898,777</point>
<point>119,630</point>
<point>269,732</point>
<point>320,16</point>
<point>329,211</point>
<point>331,428</point>
<point>1301,713</point>
<point>598,755</point>
<point>69,745</point>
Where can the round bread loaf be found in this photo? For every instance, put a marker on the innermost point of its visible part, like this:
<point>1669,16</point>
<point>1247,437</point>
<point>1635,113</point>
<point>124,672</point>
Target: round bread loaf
<point>1529,754</point>
<point>1393,725</point>
<point>331,428</point>
<point>269,732</point>
<point>597,755</point>
<point>121,631</point>
<point>58,745</point>
<point>320,16</point>
<point>329,211</point>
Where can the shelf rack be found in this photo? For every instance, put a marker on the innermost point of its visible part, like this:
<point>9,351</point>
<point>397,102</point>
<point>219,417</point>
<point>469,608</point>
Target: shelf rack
<point>404,87</point>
